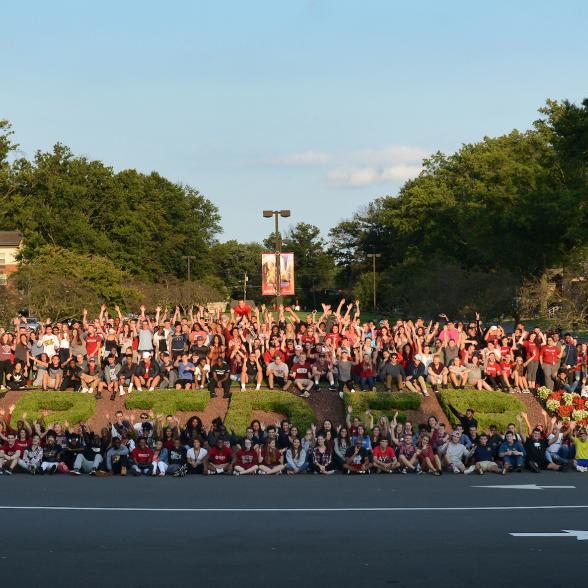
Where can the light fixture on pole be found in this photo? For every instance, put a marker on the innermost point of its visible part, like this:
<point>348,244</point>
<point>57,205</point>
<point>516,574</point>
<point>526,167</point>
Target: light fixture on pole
<point>374,256</point>
<point>278,241</point>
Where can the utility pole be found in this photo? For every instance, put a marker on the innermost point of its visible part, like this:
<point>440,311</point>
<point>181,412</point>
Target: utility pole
<point>245,280</point>
<point>374,256</point>
<point>278,241</point>
<point>189,258</point>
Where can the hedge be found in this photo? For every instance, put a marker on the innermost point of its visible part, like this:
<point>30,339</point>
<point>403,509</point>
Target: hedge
<point>382,404</point>
<point>491,408</point>
<point>168,401</point>
<point>72,407</point>
<point>243,403</point>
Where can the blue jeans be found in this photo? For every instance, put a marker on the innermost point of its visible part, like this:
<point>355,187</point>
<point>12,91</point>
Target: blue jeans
<point>556,458</point>
<point>366,383</point>
<point>514,461</point>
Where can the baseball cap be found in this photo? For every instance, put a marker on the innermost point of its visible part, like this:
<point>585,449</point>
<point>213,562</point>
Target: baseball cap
<point>146,355</point>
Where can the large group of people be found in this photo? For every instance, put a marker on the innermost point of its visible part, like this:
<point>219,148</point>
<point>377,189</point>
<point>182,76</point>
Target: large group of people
<point>114,355</point>
<point>157,446</point>
<point>253,347</point>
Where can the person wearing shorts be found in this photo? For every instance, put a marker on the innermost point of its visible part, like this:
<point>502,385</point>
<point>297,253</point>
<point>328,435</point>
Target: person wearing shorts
<point>301,372</point>
<point>581,443</point>
<point>277,372</point>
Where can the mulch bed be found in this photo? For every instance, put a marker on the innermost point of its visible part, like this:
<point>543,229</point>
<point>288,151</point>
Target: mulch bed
<point>326,404</point>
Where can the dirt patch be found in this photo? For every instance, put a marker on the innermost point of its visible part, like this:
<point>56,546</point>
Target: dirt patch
<point>267,418</point>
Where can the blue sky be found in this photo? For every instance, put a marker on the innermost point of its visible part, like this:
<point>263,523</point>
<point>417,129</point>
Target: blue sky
<point>314,105</point>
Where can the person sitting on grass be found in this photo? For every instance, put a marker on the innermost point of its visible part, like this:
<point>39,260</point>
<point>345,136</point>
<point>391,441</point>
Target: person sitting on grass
<point>218,460</point>
<point>252,371</point>
<point>245,462</point>
<point>535,449</point>
<point>483,455</point>
<point>322,370</point>
<point>437,373</point>
<point>511,453</point>
<point>384,458</point>
<point>475,377</point>
<point>186,371</point>
<point>271,459</point>
<point>142,457</point>
<point>220,378</point>
<point>16,379</point>
<point>407,454</point>
<point>454,453</point>
<point>301,373</point>
<point>296,458</point>
<point>428,459</point>
<point>277,372</point>
<point>415,376</point>
<point>458,374</point>
<point>147,373</point>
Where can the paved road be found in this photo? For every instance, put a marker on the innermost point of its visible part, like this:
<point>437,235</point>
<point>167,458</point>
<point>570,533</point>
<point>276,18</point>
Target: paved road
<point>440,531</point>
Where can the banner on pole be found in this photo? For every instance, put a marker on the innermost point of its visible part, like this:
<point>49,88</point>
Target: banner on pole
<point>268,274</point>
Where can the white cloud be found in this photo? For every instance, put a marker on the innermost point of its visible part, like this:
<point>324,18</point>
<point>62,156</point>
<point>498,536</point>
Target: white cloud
<point>366,176</point>
<point>305,158</point>
<point>365,167</point>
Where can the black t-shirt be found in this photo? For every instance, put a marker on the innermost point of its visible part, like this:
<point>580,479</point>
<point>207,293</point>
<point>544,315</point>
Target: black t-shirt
<point>535,449</point>
<point>177,456</point>
<point>200,350</point>
<point>178,342</point>
<point>218,372</point>
<point>51,453</point>
<point>360,457</point>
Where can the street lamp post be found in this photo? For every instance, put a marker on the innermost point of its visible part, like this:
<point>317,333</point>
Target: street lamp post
<point>374,256</point>
<point>277,214</point>
<point>189,258</point>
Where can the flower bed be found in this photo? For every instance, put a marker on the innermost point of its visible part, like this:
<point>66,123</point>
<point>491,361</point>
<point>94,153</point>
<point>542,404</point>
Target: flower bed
<point>569,406</point>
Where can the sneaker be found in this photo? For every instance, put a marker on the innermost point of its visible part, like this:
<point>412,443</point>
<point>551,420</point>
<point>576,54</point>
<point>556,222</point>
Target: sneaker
<point>526,391</point>
<point>235,473</point>
<point>220,471</point>
<point>84,390</point>
<point>113,396</point>
<point>121,391</point>
<point>332,387</point>
<point>75,472</point>
<point>2,472</point>
<point>53,469</point>
<point>469,470</point>
<point>93,472</point>
<point>8,472</point>
<point>90,390</point>
<point>151,389</point>
<point>455,470</point>
<point>305,394</point>
<point>534,467</point>
<point>373,389</point>
<point>2,388</point>
<point>582,469</point>
<point>98,396</point>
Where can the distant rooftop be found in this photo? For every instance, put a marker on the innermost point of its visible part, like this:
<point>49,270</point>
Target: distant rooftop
<point>10,238</point>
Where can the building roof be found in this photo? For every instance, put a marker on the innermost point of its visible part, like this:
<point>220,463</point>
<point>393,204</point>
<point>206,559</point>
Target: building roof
<point>10,238</point>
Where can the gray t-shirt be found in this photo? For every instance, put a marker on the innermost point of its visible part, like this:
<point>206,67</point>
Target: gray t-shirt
<point>344,369</point>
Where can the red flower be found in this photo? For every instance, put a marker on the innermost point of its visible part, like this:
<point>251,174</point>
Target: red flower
<point>555,396</point>
<point>578,403</point>
<point>565,411</point>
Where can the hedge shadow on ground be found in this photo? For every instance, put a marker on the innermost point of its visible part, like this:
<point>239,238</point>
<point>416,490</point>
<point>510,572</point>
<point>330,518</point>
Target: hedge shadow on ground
<point>382,404</point>
<point>491,408</point>
<point>70,407</point>
<point>244,402</point>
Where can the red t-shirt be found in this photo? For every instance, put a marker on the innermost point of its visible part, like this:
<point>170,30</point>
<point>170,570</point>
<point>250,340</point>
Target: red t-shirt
<point>22,445</point>
<point>9,450</point>
<point>333,339</point>
<point>506,368</point>
<point>142,456</point>
<point>243,310</point>
<point>387,456</point>
<point>550,354</point>
<point>493,369</point>
<point>532,351</point>
<point>246,459</point>
<point>426,452</point>
<point>92,342</point>
<point>302,371</point>
<point>221,456</point>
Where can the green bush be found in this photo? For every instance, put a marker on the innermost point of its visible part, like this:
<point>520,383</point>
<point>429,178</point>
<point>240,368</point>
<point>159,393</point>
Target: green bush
<point>168,401</point>
<point>382,404</point>
<point>72,407</point>
<point>243,403</point>
<point>491,408</point>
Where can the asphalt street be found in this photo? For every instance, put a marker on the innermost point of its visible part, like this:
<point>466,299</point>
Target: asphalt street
<point>292,531</point>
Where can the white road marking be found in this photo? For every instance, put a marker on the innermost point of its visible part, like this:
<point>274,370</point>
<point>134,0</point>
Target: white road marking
<point>342,509</point>
<point>523,487</point>
<point>579,535</point>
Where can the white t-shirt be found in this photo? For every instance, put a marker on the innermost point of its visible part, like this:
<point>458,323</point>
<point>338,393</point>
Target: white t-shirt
<point>191,454</point>
<point>49,342</point>
<point>280,371</point>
